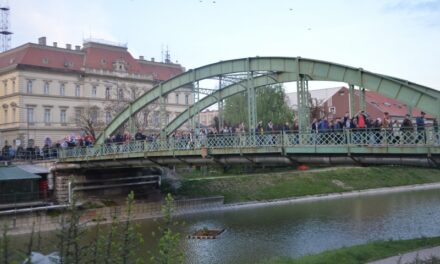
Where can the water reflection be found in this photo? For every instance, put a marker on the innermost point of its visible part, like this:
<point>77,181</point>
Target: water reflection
<point>253,234</point>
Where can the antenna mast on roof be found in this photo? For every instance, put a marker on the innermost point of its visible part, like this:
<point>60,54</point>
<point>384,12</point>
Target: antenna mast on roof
<point>166,57</point>
<point>5,34</point>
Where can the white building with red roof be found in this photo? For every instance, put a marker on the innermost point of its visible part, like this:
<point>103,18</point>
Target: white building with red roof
<point>44,89</point>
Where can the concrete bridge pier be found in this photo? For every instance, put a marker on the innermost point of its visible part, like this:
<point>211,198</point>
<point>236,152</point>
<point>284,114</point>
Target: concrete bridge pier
<point>98,184</point>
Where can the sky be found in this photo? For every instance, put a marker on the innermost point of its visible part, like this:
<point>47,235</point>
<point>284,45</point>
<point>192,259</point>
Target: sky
<point>400,38</point>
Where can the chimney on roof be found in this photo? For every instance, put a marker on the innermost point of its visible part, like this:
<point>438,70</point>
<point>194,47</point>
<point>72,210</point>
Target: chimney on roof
<point>152,59</point>
<point>77,47</point>
<point>42,41</point>
<point>141,57</point>
<point>68,46</point>
<point>55,44</point>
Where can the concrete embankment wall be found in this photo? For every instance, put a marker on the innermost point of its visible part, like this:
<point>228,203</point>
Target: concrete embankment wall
<point>22,223</point>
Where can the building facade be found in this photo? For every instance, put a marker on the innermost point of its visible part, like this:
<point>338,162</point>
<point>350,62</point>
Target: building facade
<point>207,117</point>
<point>46,90</point>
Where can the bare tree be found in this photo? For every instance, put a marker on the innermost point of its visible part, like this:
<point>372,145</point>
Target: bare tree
<point>316,108</point>
<point>89,119</point>
<point>120,98</point>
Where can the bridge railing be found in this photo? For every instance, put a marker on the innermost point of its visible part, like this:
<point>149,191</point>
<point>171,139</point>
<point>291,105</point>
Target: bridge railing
<point>349,137</point>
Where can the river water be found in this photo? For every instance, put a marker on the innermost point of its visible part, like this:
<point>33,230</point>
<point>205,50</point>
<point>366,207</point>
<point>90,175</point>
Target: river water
<point>299,229</point>
<point>257,233</point>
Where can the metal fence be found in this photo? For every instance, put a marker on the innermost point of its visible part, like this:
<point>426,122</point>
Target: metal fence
<point>20,199</point>
<point>346,137</point>
<point>29,154</point>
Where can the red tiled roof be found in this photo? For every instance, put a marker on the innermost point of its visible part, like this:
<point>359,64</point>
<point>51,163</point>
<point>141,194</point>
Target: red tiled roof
<point>54,59</point>
<point>392,106</point>
<point>159,72</point>
<point>93,56</point>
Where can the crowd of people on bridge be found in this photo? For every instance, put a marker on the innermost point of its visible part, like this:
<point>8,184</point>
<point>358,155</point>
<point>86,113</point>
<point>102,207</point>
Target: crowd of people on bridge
<point>401,131</point>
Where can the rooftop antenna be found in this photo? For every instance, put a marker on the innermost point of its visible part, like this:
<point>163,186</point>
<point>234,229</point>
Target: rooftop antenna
<point>5,34</point>
<point>167,56</point>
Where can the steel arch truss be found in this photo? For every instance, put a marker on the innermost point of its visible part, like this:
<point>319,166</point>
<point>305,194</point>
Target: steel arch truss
<point>280,68</point>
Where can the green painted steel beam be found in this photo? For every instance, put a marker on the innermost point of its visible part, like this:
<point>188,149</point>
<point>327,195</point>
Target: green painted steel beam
<point>424,98</point>
<point>224,93</point>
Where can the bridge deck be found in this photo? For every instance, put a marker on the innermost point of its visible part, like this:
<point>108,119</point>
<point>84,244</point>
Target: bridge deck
<point>344,143</point>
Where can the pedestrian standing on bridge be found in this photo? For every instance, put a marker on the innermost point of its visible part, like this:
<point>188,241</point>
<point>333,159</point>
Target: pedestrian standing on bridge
<point>387,126</point>
<point>396,132</point>
<point>241,132</point>
<point>270,132</point>
<point>435,126</point>
<point>360,135</point>
<point>259,130</point>
<point>407,129</point>
<point>420,123</point>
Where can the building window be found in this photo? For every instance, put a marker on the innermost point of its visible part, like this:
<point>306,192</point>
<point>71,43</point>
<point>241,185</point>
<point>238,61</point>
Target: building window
<point>6,116</point>
<point>46,88</point>
<point>120,94</point>
<point>63,116</point>
<point>62,89</point>
<point>94,115</point>
<point>177,98</point>
<point>29,87</point>
<point>186,99</point>
<point>5,85</point>
<point>107,93</point>
<point>145,118</point>
<point>165,98</point>
<point>13,86</point>
<point>47,116</point>
<point>30,115</point>
<point>78,113</point>
<point>332,109</point>
<point>94,91</point>
<point>77,90</point>
<point>14,113</point>
<point>108,117</point>
<point>133,93</point>
<point>156,119</point>
<point>167,118</point>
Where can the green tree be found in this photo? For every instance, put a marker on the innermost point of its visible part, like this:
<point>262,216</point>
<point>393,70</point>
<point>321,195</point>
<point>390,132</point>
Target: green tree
<point>271,105</point>
<point>235,109</point>
<point>169,252</point>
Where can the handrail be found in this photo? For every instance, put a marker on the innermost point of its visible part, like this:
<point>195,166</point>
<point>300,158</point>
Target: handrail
<point>375,137</point>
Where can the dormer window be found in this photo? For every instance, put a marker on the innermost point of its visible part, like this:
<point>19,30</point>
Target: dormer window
<point>120,65</point>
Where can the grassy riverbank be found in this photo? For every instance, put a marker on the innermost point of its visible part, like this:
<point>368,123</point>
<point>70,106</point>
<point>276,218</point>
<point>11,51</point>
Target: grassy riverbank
<point>276,185</point>
<point>362,253</point>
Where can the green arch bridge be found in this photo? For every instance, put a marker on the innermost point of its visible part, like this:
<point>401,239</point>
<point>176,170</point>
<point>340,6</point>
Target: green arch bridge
<point>244,76</point>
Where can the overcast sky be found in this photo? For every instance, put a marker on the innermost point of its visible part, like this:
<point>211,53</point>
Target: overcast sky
<point>400,38</point>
